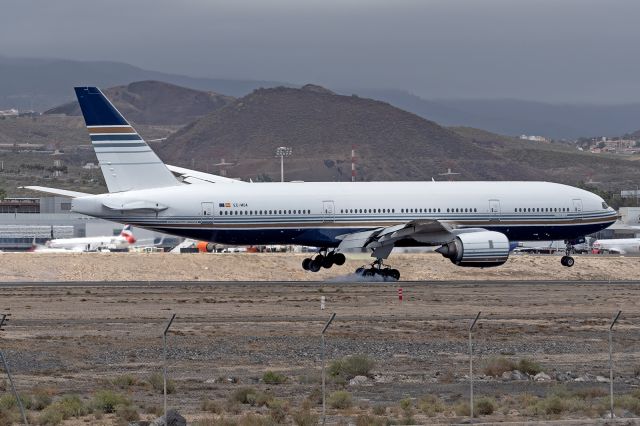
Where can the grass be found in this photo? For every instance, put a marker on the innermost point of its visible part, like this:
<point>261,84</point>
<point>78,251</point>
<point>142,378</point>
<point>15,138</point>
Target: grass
<point>157,383</point>
<point>106,401</point>
<point>484,406</point>
<point>431,405</point>
<point>304,417</point>
<point>65,408</point>
<point>273,378</point>
<point>211,406</point>
<point>351,366</point>
<point>124,381</point>
<point>497,365</point>
<point>340,400</point>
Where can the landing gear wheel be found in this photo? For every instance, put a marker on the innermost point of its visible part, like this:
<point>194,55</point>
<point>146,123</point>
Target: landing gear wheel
<point>360,271</point>
<point>567,261</point>
<point>369,272</point>
<point>306,264</point>
<point>339,259</point>
<point>316,264</point>
<point>327,261</point>
<point>394,273</point>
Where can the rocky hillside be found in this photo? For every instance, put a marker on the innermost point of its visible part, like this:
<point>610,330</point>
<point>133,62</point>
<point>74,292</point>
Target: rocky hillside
<point>391,144</point>
<point>154,102</point>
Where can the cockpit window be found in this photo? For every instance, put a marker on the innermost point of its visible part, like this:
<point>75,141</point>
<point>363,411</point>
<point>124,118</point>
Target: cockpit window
<point>604,205</point>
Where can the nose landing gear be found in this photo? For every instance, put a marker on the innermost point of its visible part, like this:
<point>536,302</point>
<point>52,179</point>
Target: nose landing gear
<point>326,260</point>
<point>567,260</point>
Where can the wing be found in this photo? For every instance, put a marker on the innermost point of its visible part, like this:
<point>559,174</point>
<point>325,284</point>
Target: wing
<point>420,232</point>
<point>56,191</point>
<point>193,176</point>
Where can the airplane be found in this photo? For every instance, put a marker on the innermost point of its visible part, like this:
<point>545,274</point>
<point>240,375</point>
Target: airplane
<point>617,246</point>
<point>122,241</point>
<point>470,223</point>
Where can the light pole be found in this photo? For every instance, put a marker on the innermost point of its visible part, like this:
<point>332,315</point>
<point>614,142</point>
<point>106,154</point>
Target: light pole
<point>471,325</point>
<point>3,320</point>
<point>164,364</point>
<point>324,398</point>
<point>613,322</point>
<point>282,151</point>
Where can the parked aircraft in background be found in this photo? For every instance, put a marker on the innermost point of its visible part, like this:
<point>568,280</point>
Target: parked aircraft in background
<point>116,242</point>
<point>471,223</point>
<point>617,246</point>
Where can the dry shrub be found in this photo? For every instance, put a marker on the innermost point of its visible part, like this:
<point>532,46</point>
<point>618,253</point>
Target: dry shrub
<point>340,400</point>
<point>351,366</point>
<point>304,417</point>
<point>431,405</point>
<point>368,420</point>
<point>484,406</point>
<point>497,365</point>
<point>211,406</point>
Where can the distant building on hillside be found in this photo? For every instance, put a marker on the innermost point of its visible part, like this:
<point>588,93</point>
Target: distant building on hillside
<point>534,138</point>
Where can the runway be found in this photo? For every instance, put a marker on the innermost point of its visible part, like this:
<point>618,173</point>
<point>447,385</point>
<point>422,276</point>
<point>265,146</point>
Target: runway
<point>143,284</point>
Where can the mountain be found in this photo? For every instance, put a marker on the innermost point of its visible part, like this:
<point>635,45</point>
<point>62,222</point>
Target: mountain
<point>40,84</point>
<point>391,144</point>
<point>516,117</point>
<point>154,102</point>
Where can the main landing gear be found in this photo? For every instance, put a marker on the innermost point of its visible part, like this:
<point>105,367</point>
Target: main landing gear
<point>377,268</point>
<point>567,260</point>
<point>326,260</point>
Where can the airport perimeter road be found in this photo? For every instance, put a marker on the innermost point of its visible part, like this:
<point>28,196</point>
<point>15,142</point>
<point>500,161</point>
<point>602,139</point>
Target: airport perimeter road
<point>79,336</point>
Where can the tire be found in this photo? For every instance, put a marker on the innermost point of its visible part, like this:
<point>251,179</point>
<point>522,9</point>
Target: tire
<point>368,273</point>
<point>394,273</point>
<point>360,271</point>
<point>563,261</point>
<point>339,259</point>
<point>327,262</point>
<point>569,261</point>
<point>210,247</point>
<point>306,264</point>
<point>315,265</point>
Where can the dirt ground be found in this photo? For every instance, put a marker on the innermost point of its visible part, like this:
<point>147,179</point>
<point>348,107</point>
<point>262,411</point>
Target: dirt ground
<point>77,339</point>
<point>286,267</point>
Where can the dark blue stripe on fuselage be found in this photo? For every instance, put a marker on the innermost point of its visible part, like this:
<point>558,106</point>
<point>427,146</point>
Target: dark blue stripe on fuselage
<point>96,138</point>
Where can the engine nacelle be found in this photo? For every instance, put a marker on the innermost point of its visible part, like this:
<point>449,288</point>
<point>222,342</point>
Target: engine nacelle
<point>477,249</point>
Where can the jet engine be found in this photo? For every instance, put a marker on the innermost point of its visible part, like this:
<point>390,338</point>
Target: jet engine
<point>477,249</point>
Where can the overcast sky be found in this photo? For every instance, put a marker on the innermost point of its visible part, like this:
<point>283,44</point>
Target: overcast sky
<point>550,50</point>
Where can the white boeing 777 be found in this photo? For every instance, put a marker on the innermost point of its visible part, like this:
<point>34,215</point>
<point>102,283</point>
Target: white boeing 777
<point>471,223</point>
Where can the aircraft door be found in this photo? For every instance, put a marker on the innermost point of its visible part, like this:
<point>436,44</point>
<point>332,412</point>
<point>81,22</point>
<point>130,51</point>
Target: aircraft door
<point>328,211</point>
<point>577,207</point>
<point>207,212</point>
<point>494,209</point>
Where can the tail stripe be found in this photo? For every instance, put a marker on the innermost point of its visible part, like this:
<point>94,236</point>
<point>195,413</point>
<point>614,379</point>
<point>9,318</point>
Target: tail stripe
<point>133,137</point>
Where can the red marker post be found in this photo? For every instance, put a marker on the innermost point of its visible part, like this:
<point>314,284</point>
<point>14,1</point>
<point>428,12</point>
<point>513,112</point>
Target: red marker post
<point>400,294</point>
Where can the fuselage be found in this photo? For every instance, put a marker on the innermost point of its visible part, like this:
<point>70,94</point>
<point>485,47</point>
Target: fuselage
<point>88,243</point>
<point>619,245</point>
<point>315,213</point>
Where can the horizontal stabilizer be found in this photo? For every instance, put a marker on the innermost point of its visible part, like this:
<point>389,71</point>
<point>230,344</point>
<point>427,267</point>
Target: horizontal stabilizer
<point>193,176</point>
<point>56,191</point>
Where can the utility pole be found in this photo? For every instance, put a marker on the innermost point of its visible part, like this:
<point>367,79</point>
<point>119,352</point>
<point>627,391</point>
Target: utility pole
<point>613,322</point>
<point>324,398</point>
<point>164,364</point>
<point>471,325</point>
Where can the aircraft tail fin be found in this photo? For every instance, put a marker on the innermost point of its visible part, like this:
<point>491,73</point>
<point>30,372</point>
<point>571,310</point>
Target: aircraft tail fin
<point>127,162</point>
<point>127,234</point>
